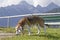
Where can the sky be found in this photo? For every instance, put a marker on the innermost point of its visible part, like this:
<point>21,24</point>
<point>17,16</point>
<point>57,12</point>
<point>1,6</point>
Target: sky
<point>42,3</point>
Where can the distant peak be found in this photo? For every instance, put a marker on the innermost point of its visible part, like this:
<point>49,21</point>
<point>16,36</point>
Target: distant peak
<point>38,6</point>
<point>23,2</point>
<point>52,4</point>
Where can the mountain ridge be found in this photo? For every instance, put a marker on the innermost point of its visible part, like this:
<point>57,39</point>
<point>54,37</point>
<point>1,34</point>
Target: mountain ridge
<point>25,8</point>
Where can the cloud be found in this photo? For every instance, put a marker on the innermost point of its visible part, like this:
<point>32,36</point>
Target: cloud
<point>57,2</point>
<point>35,3</point>
<point>29,1</point>
<point>1,1</point>
<point>42,3</point>
<point>9,2</point>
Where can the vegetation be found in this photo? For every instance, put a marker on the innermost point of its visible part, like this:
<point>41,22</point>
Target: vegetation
<point>52,34</point>
<point>7,30</point>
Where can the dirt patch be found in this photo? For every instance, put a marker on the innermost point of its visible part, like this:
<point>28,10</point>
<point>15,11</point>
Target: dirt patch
<point>4,35</point>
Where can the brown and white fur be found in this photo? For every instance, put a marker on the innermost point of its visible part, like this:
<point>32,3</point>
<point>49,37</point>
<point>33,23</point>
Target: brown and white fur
<point>30,20</point>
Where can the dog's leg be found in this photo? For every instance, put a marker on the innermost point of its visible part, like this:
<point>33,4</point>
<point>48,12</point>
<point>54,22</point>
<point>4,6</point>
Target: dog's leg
<point>45,29</point>
<point>38,29</point>
<point>29,32</point>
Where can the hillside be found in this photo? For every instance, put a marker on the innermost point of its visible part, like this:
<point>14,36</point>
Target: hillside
<point>24,8</point>
<point>56,10</point>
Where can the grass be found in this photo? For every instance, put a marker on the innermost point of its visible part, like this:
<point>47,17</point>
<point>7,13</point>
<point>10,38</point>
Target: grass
<point>52,34</point>
<point>7,30</point>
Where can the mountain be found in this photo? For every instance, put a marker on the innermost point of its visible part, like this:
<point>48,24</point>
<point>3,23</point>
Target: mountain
<point>45,9</point>
<point>37,9</point>
<point>56,10</point>
<point>21,8</point>
<point>25,8</point>
<point>51,6</point>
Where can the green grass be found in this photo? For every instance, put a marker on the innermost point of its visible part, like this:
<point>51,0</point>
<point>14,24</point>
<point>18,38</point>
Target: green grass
<point>7,30</point>
<point>52,34</point>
